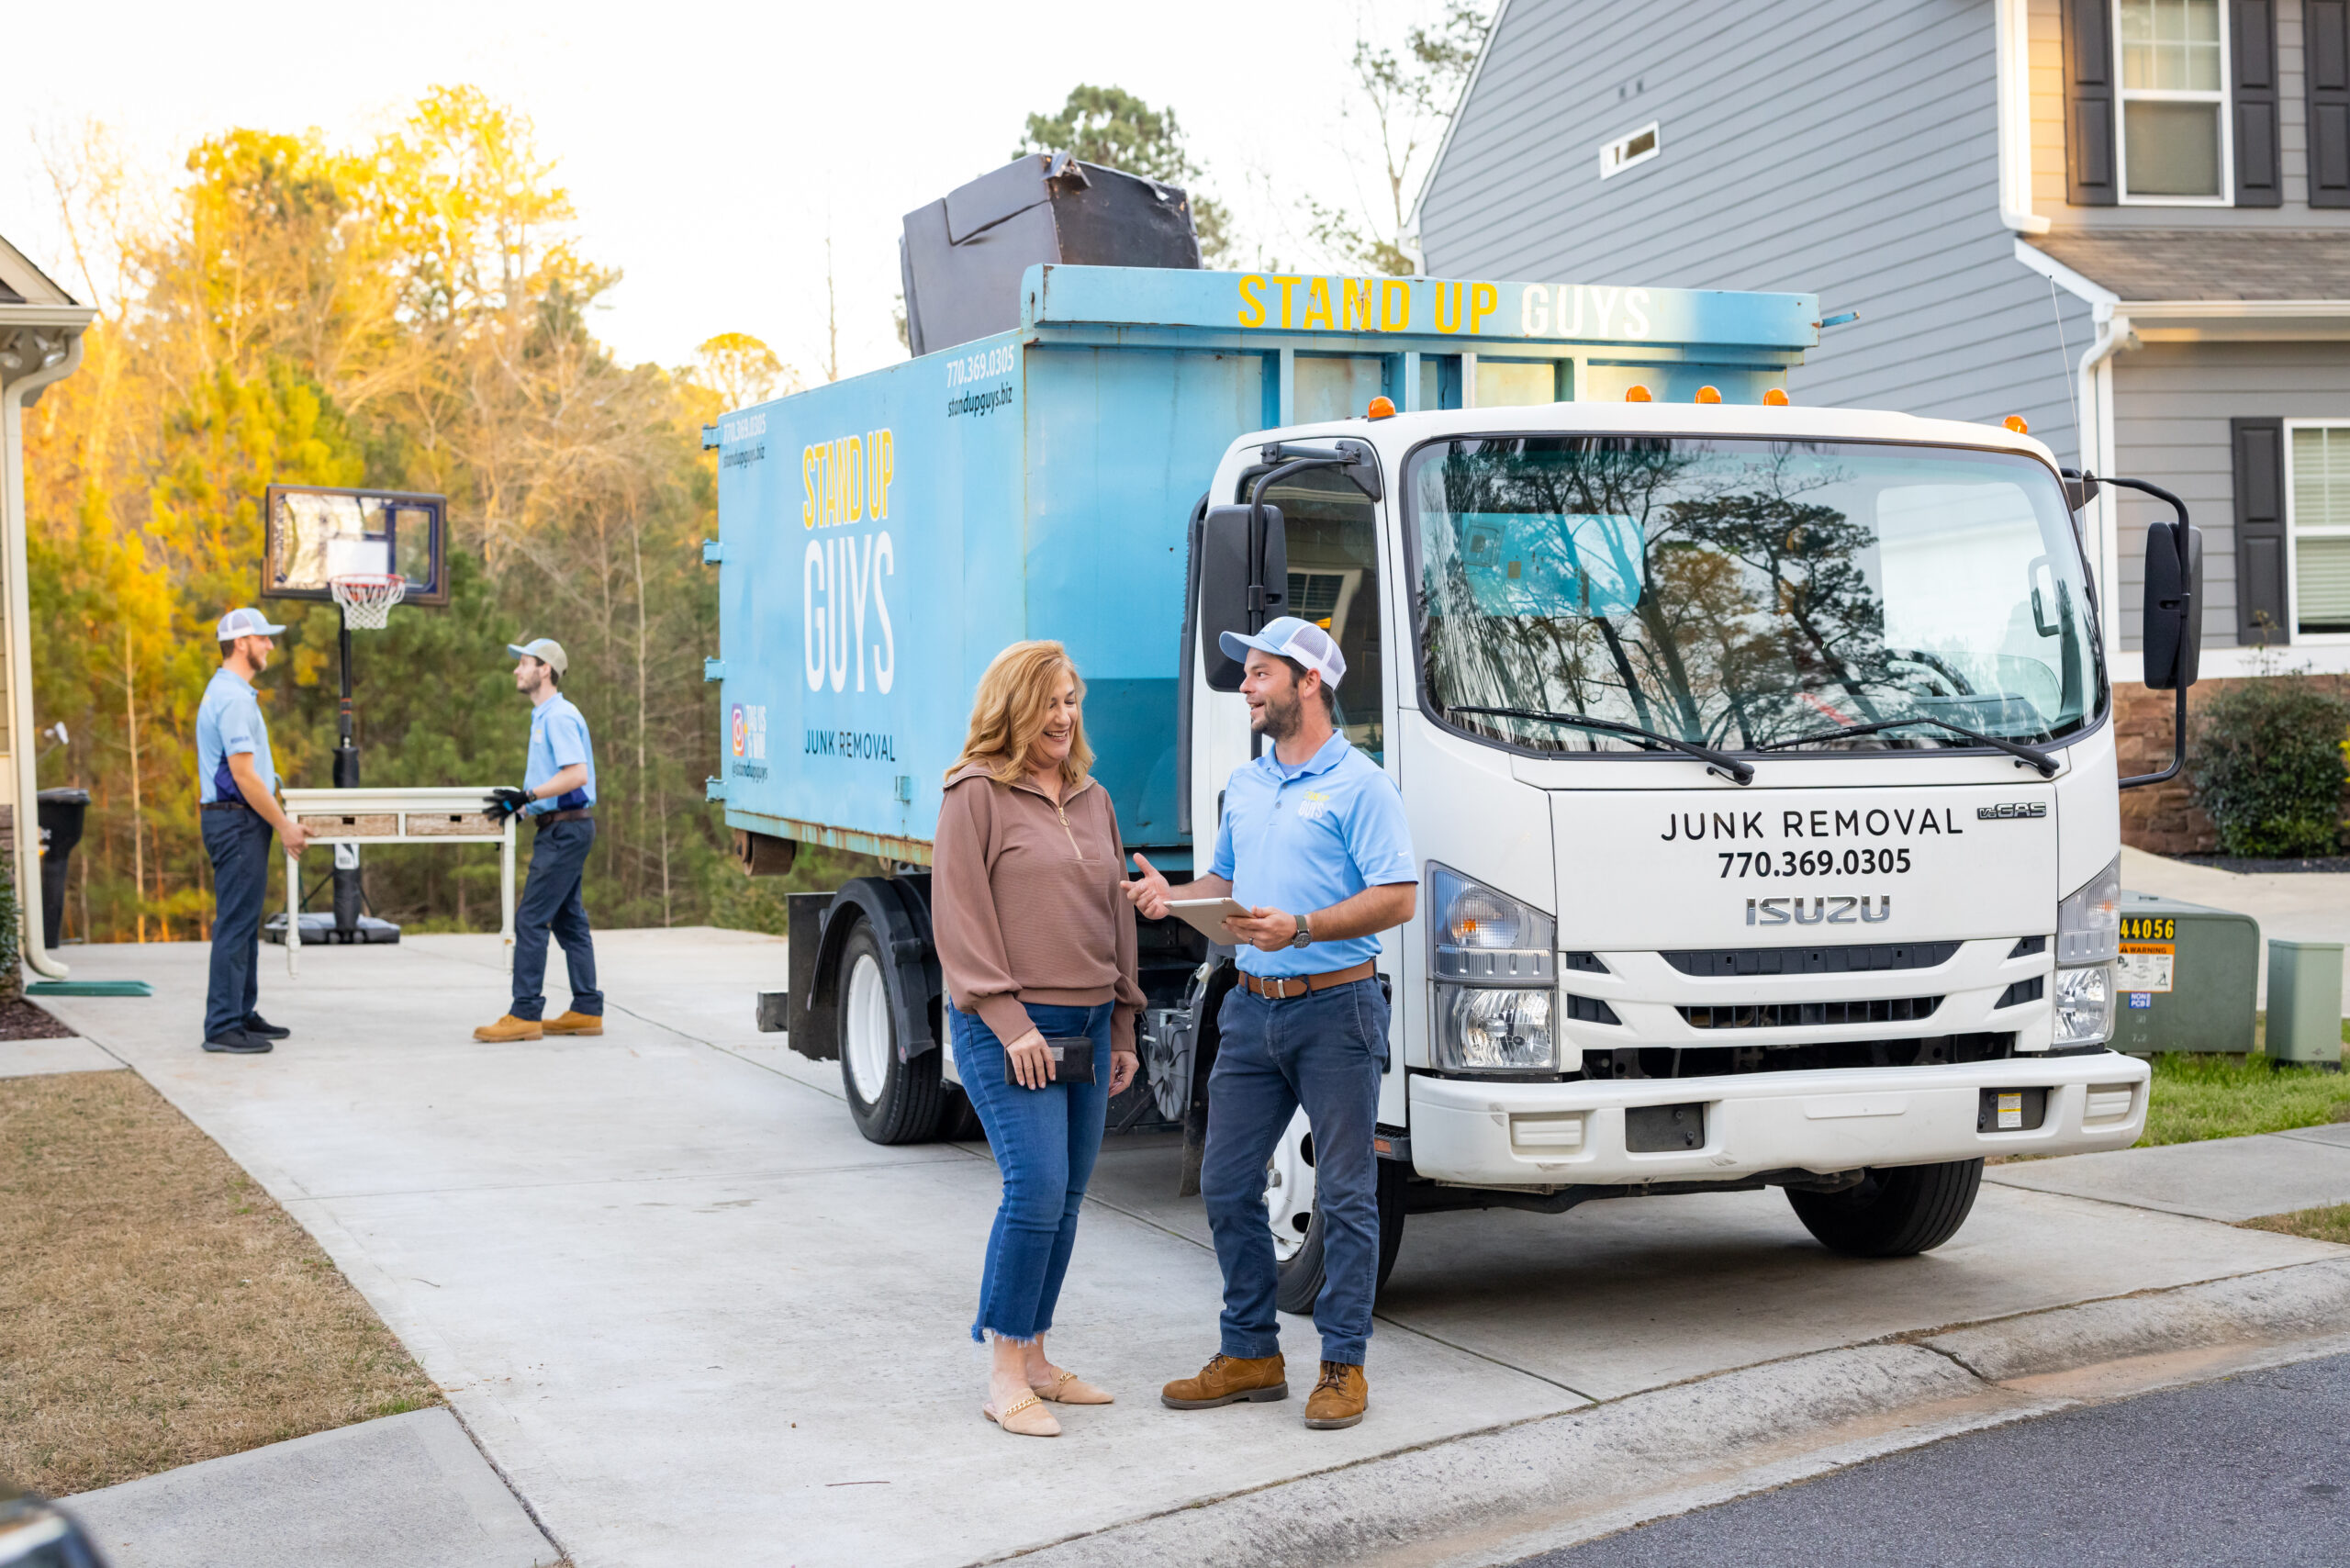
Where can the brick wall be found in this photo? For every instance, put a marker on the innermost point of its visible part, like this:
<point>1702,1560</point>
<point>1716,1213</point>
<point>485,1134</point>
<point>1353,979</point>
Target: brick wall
<point>2163,818</point>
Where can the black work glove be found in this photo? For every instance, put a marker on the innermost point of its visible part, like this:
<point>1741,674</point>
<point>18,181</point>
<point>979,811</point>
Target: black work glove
<point>505,802</point>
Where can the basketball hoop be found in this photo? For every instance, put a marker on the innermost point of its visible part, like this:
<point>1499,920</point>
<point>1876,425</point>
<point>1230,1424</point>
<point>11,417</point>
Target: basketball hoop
<point>367,597</point>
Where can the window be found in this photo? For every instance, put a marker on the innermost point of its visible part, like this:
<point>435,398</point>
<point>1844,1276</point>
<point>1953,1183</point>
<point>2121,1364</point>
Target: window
<point>1333,536</point>
<point>2319,519</point>
<point>2174,101</point>
<point>1626,151</point>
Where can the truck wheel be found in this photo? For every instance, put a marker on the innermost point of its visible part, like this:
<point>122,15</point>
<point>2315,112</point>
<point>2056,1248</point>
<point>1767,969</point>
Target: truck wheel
<point>893,1101</point>
<point>1896,1213</point>
<point>1297,1251</point>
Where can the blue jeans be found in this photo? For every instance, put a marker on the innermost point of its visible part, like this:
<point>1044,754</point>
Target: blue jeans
<point>1325,1050</point>
<point>237,842</point>
<point>550,901</point>
<point>1045,1142</point>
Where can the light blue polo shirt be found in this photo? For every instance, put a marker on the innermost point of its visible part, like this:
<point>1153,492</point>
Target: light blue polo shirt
<point>229,723</point>
<point>1304,838</point>
<point>558,739</point>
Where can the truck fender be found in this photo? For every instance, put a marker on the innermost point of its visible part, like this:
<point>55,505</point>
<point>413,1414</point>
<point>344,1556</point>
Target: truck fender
<point>900,918</point>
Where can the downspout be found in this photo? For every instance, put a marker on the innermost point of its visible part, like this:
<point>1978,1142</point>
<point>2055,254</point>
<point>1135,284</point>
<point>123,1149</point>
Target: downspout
<point>2094,382</point>
<point>14,550</point>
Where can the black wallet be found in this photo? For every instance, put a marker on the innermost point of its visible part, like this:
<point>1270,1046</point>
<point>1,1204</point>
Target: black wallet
<point>1072,1060</point>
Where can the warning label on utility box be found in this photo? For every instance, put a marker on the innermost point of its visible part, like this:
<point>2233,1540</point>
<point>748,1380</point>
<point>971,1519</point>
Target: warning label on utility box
<point>2146,966</point>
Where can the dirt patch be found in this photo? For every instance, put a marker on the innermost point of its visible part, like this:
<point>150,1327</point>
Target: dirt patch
<point>156,1307</point>
<point>2330,1222</point>
<point>22,1020</point>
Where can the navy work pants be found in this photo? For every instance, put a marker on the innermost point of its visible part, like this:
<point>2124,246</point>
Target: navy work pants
<point>551,903</point>
<point>1325,1050</point>
<point>237,841</point>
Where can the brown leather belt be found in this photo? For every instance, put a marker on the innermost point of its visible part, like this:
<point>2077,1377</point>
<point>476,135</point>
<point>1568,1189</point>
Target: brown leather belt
<point>224,805</point>
<point>1280,988</point>
<point>578,813</point>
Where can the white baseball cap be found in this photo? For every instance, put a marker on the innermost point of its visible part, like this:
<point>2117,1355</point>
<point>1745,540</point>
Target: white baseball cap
<point>546,650</point>
<point>243,622</point>
<point>1291,638</point>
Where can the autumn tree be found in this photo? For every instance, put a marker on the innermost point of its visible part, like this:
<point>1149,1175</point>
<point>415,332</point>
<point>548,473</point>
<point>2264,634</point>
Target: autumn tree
<point>1406,98</point>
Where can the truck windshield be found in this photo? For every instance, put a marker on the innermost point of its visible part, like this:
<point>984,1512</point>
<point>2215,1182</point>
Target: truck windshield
<point>1744,594</point>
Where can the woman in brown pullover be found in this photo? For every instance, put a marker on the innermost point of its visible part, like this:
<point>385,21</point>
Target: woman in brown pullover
<point>1037,942</point>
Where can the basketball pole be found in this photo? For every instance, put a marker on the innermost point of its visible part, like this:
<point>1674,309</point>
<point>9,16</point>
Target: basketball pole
<point>348,894</point>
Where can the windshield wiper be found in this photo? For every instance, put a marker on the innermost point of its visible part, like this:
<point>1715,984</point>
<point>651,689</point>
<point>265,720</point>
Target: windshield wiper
<point>1719,762</point>
<point>2047,764</point>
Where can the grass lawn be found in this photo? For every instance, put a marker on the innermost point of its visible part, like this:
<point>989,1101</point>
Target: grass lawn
<point>2197,1097</point>
<point>2328,1224</point>
<point>156,1307</point>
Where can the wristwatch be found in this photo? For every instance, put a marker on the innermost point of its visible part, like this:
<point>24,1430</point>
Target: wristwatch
<point>1304,932</point>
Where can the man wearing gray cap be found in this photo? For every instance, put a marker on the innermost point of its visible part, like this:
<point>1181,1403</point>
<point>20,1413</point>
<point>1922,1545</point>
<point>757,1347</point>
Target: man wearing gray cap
<point>558,794</point>
<point>1314,841</point>
<point>235,779</point>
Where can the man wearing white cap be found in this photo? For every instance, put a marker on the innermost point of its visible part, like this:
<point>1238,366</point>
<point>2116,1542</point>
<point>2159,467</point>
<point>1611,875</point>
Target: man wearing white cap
<point>1314,841</point>
<point>558,794</point>
<point>235,779</point>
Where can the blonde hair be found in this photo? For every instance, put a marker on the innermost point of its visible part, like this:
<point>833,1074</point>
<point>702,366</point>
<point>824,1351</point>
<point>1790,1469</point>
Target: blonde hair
<point>1008,714</point>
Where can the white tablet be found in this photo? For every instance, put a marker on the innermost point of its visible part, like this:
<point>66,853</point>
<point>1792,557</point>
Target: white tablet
<point>1208,916</point>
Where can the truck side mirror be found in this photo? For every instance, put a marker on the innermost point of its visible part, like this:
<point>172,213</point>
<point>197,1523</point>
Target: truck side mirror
<point>2172,626</point>
<point>1244,581</point>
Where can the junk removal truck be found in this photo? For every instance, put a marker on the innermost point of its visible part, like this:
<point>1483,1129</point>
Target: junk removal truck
<point>1760,758</point>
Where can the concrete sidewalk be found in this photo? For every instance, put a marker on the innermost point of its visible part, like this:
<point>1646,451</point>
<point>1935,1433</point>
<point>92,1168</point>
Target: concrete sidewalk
<point>694,1316</point>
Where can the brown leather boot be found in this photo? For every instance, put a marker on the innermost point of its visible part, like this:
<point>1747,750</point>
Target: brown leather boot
<point>509,1028</point>
<point>572,1023</point>
<point>1339,1398</point>
<point>1225,1380</point>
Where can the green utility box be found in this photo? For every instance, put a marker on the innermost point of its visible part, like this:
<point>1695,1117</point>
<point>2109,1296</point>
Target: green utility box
<point>2304,1000</point>
<point>2187,979</point>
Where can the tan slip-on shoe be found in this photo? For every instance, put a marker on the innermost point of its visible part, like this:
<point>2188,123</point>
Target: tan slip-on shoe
<point>572,1023</point>
<point>1068,1388</point>
<point>509,1028</point>
<point>1025,1419</point>
<point>1225,1380</point>
<point>1340,1397</point>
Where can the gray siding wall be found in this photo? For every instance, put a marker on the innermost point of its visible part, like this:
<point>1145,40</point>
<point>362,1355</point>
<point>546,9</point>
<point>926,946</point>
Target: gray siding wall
<point>2172,403</point>
<point>1845,147</point>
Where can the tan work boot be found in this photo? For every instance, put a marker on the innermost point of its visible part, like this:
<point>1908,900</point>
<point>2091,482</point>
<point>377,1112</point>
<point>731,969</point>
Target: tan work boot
<point>509,1028</point>
<point>1339,1398</point>
<point>575,1023</point>
<point>1225,1380</point>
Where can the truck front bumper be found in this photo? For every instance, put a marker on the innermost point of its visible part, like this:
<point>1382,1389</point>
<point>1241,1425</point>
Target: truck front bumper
<point>1551,1135</point>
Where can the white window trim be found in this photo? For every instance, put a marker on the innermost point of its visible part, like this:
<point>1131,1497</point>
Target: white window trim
<point>2122,99</point>
<point>2292,541</point>
<point>1610,167</point>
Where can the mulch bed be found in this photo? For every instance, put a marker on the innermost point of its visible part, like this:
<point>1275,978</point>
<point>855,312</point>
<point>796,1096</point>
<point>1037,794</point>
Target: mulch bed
<point>22,1020</point>
<point>2230,863</point>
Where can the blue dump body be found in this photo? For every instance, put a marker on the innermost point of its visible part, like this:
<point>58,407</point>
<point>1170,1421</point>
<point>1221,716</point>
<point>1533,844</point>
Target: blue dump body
<point>882,538</point>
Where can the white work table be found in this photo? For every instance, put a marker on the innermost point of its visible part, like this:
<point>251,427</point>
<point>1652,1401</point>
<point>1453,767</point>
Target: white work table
<point>399,815</point>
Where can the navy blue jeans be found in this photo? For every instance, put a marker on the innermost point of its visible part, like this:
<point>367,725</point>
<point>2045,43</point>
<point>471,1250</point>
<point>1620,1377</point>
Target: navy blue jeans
<point>550,901</point>
<point>237,842</point>
<point>1326,1051</point>
<point>1045,1142</point>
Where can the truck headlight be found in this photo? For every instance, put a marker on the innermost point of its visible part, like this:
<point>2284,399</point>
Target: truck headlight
<point>2088,924</point>
<point>2084,1005</point>
<point>1480,934</point>
<point>1496,1029</point>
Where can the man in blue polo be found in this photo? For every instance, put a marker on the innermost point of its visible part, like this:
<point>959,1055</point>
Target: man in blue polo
<point>236,780</point>
<point>558,795</point>
<point>1314,841</point>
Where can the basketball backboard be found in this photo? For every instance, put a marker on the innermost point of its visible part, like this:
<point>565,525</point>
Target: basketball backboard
<point>311,537</point>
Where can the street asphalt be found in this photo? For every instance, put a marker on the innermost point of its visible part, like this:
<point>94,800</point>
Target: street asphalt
<point>2251,1469</point>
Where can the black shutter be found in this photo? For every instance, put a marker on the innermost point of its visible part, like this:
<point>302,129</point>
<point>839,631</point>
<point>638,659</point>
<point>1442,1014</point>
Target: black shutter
<point>2089,103</point>
<point>2260,531</point>
<point>2260,179</point>
<point>2325,34</point>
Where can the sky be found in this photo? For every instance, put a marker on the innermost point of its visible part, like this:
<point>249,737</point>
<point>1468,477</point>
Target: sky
<point>711,151</point>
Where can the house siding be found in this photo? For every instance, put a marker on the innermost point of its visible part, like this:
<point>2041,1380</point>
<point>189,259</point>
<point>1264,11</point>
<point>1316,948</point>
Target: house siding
<point>2172,403</point>
<point>1844,147</point>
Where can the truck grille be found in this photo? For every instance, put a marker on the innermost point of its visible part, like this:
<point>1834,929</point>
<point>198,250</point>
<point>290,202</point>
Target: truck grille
<point>1728,1061</point>
<point>1794,1014</point>
<point>1723,962</point>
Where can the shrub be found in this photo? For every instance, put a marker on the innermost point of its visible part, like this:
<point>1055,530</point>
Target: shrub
<point>2267,766</point>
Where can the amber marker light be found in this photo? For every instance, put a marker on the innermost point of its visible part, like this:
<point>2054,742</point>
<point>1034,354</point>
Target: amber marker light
<point>1637,394</point>
<point>1380,409</point>
<point>1775,397</point>
<point>1707,395</point>
<point>2015,423</point>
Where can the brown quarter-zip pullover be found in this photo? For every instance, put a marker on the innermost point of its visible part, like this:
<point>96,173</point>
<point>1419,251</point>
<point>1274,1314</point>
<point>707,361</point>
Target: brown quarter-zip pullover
<point>1026,902</point>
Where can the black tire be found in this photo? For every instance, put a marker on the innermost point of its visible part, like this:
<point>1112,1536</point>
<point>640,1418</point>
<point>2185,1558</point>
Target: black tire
<point>1300,1279</point>
<point>959,1121</point>
<point>911,1099</point>
<point>1897,1213</point>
